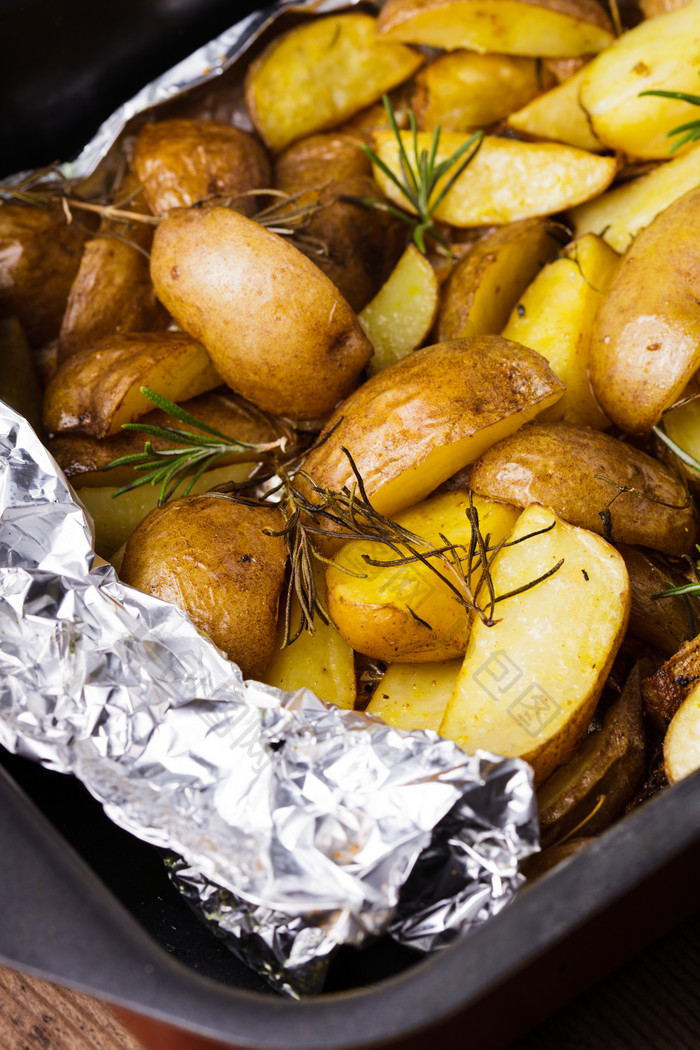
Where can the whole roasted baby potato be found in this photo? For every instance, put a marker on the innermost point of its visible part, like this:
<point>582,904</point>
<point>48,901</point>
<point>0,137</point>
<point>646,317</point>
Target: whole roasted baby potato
<point>214,559</point>
<point>276,328</point>
<point>582,474</point>
<point>180,162</point>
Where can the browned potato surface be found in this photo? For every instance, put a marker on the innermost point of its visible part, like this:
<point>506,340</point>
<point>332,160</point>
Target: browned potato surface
<point>213,559</point>
<point>277,329</point>
<point>665,691</point>
<point>563,466</point>
<point>664,623</point>
<point>181,162</point>
<point>39,258</point>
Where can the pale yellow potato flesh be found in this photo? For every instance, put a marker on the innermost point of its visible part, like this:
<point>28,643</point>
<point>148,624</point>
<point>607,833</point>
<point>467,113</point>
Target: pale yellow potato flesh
<point>556,315</point>
<point>682,424</point>
<point>660,54</point>
<point>402,312</point>
<point>414,696</point>
<point>558,115</point>
<point>464,90</point>
<point>619,214</point>
<point>484,287</point>
<point>320,74</point>
<point>682,740</point>
<point>507,180</point>
<point>547,29</point>
<point>115,519</point>
<point>530,683</point>
<point>407,612</point>
<point>322,661</point>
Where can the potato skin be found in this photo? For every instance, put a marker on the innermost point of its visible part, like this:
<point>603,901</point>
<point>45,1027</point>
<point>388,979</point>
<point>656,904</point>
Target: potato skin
<point>182,161</point>
<point>556,464</point>
<point>277,330</point>
<point>39,257</point>
<point>211,558</point>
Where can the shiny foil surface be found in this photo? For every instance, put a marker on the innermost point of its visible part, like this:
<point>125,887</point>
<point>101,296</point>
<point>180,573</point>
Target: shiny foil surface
<point>297,826</point>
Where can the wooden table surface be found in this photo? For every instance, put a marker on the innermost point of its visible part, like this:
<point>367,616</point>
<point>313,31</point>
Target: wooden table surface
<point>651,1003</point>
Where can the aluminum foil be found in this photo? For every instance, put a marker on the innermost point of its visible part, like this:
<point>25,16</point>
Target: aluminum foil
<point>299,824</point>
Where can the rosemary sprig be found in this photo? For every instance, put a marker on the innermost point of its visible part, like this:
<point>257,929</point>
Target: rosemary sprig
<point>191,456</point>
<point>420,175</point>
<point>691,129</point>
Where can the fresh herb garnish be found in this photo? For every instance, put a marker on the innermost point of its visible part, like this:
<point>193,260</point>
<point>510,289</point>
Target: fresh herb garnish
<point>420,176</point>
<point>691,129</point>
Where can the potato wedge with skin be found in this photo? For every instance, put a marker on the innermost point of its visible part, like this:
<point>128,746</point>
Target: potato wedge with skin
<point>664,623</point>
<point>99,388</point>
<point>507,180</point>
<point>646,345</point>
<point>484,287</point>
<point>413,425</point>
<point>594,786</point>
<point>619,214</point>
<point>322,661</point>
<point>414,696</point>
<point>212,558</point>
<point>529,684</point>
<point>666,690</point>
<point>463,90</point>
<point>116,517</point>
<point>652,8</point>
<point>556,316</point>
<point>83,458</point>
<point>660,54</point>
<point>276,328</point>
<point>682,425</point>
<point>180,162</point>
<point>558,115</point>
<point>402,312</point>
<point>321,73</point>
<point>556,28</point>
<point>39,257</point>
<point>562,466</point>
<point>682,742</point>
<point>408,613</point>
<point>19,379</point>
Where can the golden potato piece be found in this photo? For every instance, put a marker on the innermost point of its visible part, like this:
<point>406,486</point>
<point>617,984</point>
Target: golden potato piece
<point>506,181</point>
<point>276,328</point>
<point>594,786</point>
<point>213,559</point>
<point>484,287</point>
<point>462,91</point>
<point>99,387</point>
<point>563,466</point>
<point>415,424</point>
<point>402,312</point>
<point>556,28</point>
<point>647,340</point>
<point>39,257</point>
<point>682,426</point>
<point>414,696</point>
<point>529,683</point>
<point>619,214</point>
<point>180,162</point>
<point>407,612</point>
<point>556,316</point>
<point>320,74</point>
<point>558,115</point>
<point>682,741</point>
<point>660,54</point>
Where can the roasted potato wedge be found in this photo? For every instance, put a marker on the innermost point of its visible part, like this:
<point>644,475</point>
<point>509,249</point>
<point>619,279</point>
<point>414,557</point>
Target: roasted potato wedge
<point>413,425</point>
<point>664,623</point>
<point>554,28</point>
<point>665,690</point>
<point>484,287</point>
<point>321,73</point>
<point>529,684</point>
<point>414,696</point>
<point>180,162</point>
<point>507,180</point>
<point>99,388</point>
<point>592,480</point>
<point>276,328</point>
<point>593,788</point>
<point>558,115</point>
<point>682,742</point>
<point>646,345</point>
<point>215,560</point>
